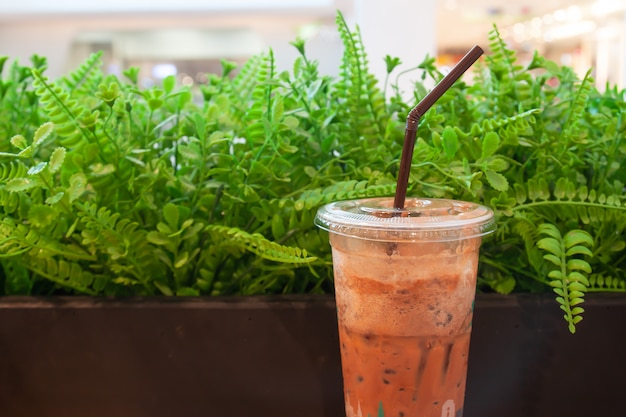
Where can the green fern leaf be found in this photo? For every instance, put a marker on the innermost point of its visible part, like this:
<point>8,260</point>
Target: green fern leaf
<point>12,170</point>
<point>569,279</point>
<point>257,244</point>
<point>577,237</point>
<point>66,274</point>
<point>364,109</point>
<point>602,282</point>
<point>342,190</point>
<point>63,111</point>
<point>18,280</point>
<point>85,79</point>
<point>579,105</point>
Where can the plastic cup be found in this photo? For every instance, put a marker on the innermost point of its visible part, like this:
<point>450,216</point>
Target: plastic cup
<point>405,283</point>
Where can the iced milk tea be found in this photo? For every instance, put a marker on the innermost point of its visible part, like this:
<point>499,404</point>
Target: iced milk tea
<point>405,291</point>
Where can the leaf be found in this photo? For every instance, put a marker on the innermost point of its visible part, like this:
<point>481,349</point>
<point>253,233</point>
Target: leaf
<point>551,245</point>
<point>553,259</point>
<point>555,274</point>
<point>520,193</point>
<point>576,297</point>
<point>41,215</point>
<point>491,142</point>
<point>575,276</point>
<point>164,228</point>
<point>20,184</point>
<point>578,264</point>
<point>450,142</point>
<point>135,161</point>
<point>258,244</point>
<point>100,170</point>
<point>571,326</point>
<point>278,226</point>
<point>579,250</point>
<point>52,200</point>
<point>310,171</point>
<point>19,142</point>
<point>291,122</point>
<point>181,259</point>
<point>498,164</point>
<point>171,215</point>
<point>165,290</point>
<point>577,286</point>
<point>557,283</point>
<point>157,238</point>
<point>560,188</point>
<point>190,153</point>
<point>42,133</point>
<point>543,189</point>
<point>550,230</point>
<point>618,246</point>
<point>578,310</point>
<point>56,159</point>
<point>168,83</point>
<point>505,285</point>
<point>37,169</point>
<point>592,196</point>
<point>187,292</point>
<point>78,184</point>
<point>497,180</point>
<point>577,237</point>
<point>17,278</point>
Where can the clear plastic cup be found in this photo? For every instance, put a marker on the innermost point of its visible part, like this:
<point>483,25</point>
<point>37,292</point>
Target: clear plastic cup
<point>405,284</point>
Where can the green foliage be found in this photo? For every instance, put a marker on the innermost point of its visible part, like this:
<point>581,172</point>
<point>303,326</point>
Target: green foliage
<point>568,272</point>
<point>107,187</point>
<point>565,174</point>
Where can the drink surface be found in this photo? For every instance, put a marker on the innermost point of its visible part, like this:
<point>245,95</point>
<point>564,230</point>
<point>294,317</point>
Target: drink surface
<point>404,311</point>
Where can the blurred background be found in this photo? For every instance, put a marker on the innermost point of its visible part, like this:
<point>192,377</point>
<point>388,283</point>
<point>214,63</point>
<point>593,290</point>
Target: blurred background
<point>190,37</point>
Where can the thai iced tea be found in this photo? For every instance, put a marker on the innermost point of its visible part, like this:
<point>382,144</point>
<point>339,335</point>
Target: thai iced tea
<point>405,285</point>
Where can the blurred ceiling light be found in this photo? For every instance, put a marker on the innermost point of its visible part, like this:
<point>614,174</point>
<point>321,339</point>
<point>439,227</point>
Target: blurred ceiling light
<point>560,15</point>
<point>605,7</point>
<point>187,80</point>
<point>574,13</point>
<point>161,71</point>
<point>536,32</point>
<point>536,22</point>
<point>451,4</point>
<point>569,30</point>
<point>608,32</point>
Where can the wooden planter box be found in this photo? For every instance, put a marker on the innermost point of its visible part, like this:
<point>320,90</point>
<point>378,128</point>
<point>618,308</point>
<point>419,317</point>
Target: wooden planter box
<point>279,356</point>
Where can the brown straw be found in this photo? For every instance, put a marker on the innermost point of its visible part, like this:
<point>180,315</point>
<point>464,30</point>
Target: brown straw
<point>418,111</point>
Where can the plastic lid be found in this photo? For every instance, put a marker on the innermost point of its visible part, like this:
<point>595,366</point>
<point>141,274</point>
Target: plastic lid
<point>422,219</point>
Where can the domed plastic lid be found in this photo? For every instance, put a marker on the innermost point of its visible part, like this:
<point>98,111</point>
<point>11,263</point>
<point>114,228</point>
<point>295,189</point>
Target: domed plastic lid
<point>422,219</point>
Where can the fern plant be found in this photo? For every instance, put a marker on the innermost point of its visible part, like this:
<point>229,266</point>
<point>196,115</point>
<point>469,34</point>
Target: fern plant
<point>107,187</point>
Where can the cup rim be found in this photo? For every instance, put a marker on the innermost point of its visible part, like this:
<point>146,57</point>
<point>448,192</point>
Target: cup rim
<point>422,219</point>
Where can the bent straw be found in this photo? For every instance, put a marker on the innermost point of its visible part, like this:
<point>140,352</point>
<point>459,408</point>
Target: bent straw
<point>417,112</point>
